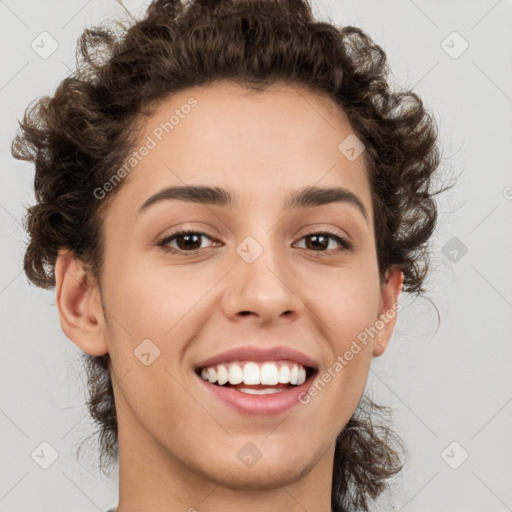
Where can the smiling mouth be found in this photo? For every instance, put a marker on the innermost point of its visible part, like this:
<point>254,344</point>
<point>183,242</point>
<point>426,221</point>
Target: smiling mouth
<point>257,378</point>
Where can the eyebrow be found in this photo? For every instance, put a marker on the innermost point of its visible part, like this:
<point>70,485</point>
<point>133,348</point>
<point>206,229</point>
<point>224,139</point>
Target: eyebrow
<point>303,198</point>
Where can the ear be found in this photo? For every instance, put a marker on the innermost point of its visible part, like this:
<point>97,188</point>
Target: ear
<point>79,304</point>
<point>386,321</point>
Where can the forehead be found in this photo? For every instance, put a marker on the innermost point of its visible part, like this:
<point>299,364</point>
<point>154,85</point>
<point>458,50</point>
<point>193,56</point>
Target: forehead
<point>260,144</point>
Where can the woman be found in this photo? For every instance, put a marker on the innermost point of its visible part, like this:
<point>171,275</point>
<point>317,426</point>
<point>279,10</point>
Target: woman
<point>230,200</point>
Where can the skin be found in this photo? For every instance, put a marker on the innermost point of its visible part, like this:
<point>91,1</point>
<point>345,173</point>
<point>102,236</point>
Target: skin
<point>178,447</point>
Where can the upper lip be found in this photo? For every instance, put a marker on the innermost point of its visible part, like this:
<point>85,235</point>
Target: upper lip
<point>249,353</point>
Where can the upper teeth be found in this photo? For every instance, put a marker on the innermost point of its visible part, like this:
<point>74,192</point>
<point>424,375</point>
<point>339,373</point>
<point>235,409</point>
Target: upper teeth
<point>269,373</point>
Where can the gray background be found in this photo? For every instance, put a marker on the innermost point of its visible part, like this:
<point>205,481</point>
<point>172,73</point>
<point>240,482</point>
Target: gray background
<point>445,386</point>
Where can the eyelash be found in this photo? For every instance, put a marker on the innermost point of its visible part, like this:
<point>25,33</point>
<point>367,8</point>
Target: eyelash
<point>347,246</point>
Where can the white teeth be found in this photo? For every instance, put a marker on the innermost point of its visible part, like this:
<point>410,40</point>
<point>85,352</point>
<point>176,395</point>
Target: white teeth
<point>284,375</point>
<point>269,374</point>
<point>251,373</point>
<point>302,376</point>
<point>212,375</point>
<point>236,374</point>
<point>294,374</point>
<point>259,391</point>
<point>222,374</point>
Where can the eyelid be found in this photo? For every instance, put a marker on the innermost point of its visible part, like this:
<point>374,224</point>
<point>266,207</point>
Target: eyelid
<point>203,229</point>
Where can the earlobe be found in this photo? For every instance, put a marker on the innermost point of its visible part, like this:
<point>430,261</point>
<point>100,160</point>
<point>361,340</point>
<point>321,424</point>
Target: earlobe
<point>386,321</point>
<point>79,304</point>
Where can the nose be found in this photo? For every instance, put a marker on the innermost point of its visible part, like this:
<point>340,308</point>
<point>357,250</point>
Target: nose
<point>264,290</point>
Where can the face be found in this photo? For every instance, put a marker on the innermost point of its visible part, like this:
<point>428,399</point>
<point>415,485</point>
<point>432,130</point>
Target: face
<point>253,273</point>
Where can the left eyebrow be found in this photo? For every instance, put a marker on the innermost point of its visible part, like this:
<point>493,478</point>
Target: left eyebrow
<point>303,198</point>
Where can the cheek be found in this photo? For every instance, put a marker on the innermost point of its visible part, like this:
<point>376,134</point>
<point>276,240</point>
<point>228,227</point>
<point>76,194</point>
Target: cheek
<point>150,302</point>
<point>348,305</point>
<point>348,314</point>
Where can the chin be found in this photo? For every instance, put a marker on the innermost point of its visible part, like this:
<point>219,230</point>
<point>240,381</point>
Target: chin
<point>271,472</point>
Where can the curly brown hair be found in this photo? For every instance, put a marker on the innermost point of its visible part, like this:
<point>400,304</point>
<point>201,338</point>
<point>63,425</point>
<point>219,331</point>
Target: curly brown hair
<point>89,127</point>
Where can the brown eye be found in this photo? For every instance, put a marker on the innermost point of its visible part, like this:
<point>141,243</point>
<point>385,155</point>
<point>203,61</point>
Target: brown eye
<point>186,241</point>
<point>319,241</point>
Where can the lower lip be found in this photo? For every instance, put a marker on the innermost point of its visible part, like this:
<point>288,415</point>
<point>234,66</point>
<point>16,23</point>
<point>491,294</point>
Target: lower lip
<point>262,405</point>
